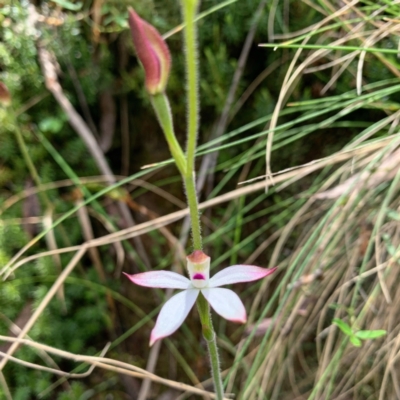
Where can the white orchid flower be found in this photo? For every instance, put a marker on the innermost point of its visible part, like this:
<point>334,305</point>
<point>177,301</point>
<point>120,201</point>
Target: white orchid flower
<point>225,302</point>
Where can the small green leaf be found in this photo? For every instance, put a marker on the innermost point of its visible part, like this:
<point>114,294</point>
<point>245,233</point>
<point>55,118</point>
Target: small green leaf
<point>68,5</point>
<point>121,20</point>
<point>346,329</point>
<point>393,215</point>
<point>51,124</point>
<point>389,246</point>
<point>356,341</point>
<point>365,335</point>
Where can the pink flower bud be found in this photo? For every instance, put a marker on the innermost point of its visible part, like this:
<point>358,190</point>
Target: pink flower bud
<point>152,52</point>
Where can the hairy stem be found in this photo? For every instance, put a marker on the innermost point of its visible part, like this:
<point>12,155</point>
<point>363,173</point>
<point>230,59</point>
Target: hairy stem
<point>163,111</point>
<point>191,194</point>
<point>189,8</point>
<point>209,335</point>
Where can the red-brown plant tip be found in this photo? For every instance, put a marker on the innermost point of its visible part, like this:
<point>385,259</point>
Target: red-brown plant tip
<point>197,257</point>
<point>5,97</point>
<point>152,52</point>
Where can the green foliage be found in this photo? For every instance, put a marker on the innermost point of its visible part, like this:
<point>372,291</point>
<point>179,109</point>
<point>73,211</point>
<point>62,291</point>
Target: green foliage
<point>76,392</point>
<point>355,337</point>
<point>51,124</point>
<point>312,127</point>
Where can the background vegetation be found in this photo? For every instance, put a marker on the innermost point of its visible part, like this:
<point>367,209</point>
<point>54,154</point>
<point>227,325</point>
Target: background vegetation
<point>320,118</point>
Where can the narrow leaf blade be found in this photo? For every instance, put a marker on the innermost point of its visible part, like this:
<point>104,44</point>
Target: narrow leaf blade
<point>346,329</point>
<point>365,335</point>
<point>356,341</point>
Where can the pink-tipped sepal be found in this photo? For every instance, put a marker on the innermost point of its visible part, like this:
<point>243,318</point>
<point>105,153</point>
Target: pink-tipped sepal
<point>160,279</point>
<point>239,273</point>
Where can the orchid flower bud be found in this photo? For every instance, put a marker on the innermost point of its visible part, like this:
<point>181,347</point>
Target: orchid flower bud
<point>152,52</point>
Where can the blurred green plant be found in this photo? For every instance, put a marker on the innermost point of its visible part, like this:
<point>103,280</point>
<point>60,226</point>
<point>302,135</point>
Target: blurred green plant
<point>356,336</point>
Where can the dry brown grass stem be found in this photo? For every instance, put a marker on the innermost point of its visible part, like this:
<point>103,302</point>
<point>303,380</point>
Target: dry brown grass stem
<point>345,232</point>
<point>15,330</point>
<point>340,231</point>
<point>336,61</point>
<point>351,250</point>
<point>354,32</point>
<point>383,31</point>
<point>273,260</point>
<point>51,370</point>
<point>290,322</point>
<point>87,181</point>
<point>291,78</point>
<point>148,226</point>
<point>5,387</point>
<point>43,304</point>
<point>105,363</point>
<point>51,243</point>
<point>337,74</point>
<point>47,62</point>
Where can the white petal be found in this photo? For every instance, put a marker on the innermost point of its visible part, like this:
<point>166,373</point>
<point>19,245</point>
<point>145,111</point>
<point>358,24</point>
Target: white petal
<point>173,313</point>
<point>160,279</point>
<point>239,273</point>
<point>226,303</point>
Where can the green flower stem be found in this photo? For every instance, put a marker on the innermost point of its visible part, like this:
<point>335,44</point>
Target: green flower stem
<point>210,337</point>
<point>191,195</point>
<point>189,8</point>
<point>186,166</point>
<point>189,14</point>
<point>163,111</point>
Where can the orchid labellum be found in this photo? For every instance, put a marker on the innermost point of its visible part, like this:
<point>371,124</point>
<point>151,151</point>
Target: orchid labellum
<point>225,302</point>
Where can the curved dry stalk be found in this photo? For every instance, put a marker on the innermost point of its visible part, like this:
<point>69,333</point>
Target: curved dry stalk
<point>84,181</point>
<point>47,63</point>
<point>108,364</point>
<point>5,387</point>
<point>257,81</point>
<point>43,304</point>
<point>290,80</point>
<point>118,247</point>
<point>333,63</point>
<point>378,35</point>
<point>52,370</point>
<point>340,229</point>
<point>15,330</point>
<point>338,73</point>
<point>286,231</point>
<point>145,227</point>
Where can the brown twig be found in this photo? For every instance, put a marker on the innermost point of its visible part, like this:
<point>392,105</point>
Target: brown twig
<point>47,62</point>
